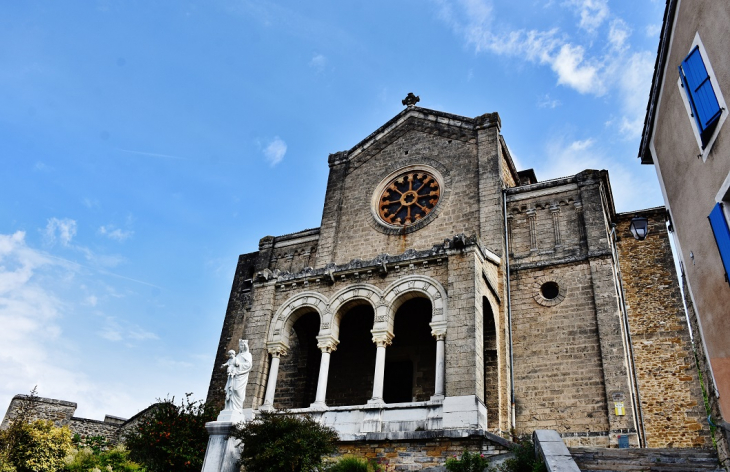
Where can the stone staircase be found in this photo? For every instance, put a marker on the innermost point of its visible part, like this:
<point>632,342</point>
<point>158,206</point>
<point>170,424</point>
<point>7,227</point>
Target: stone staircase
<point>593,459</point>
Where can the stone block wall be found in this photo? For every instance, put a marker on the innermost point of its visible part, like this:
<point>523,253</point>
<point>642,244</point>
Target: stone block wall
<point>671,397</point>
<point>424,454</point>
<point>557,355</point>
<point>61,413</point>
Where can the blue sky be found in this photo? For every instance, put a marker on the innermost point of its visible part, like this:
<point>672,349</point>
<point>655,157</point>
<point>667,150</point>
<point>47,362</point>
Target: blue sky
<point>146,144</point>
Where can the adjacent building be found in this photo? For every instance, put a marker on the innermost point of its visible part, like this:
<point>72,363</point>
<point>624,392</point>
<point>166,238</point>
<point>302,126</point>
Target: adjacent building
<point>686,140</point>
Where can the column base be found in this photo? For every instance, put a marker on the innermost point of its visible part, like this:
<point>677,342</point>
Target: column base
<point>319,406</point>
<point>266,407</point>
<point>375,402</point>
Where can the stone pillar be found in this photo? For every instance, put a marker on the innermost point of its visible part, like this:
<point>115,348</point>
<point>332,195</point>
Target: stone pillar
<point>531,215</point>
<point>382,340</point>
<point>555,212</point>
<point>326,344</point>
<point>438,331</point>
<point>276,352</point>
<point>440,367</point>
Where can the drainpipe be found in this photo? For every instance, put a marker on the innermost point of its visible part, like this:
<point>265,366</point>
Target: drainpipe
<point>638,412</point>
<point>509,313</point>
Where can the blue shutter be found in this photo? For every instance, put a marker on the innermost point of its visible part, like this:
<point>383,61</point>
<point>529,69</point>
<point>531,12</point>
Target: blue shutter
<point>722,234</point>
<point>700,93</point>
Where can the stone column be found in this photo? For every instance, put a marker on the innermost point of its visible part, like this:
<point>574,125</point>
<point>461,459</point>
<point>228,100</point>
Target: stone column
<point>326,344</point>
<point>440,367</point>
<point>382,340</point>
<point>276,352</point>
<point>438,331</point>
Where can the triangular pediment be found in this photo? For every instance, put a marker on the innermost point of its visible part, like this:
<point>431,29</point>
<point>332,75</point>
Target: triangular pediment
<point>414,118</point>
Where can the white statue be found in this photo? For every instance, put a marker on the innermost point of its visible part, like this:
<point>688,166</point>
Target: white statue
<point>237,367</point>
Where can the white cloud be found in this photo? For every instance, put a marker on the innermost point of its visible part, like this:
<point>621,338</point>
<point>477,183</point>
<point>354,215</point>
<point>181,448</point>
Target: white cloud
<point>275,151</point>
<point>40,166</point>
<point>592,13</point>
<point>62,229</point>
<point>547,102</point>
<point>610,68</point>
<point>574,71</point>
<point>119,330</point>
<point>653,31</point>
<point>91,300</point>
<point>115,233</point>
<point>318,62</point>
<point>565,156</point>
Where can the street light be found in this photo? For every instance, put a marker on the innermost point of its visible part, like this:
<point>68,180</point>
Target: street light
<point>639,228</point>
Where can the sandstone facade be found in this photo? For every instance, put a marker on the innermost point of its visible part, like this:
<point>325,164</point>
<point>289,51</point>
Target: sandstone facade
<point>501,308</point>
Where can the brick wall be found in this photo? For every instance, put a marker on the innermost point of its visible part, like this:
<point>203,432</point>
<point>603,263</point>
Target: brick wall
<point>671,397</point>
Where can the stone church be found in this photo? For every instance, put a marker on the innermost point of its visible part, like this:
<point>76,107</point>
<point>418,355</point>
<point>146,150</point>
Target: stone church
<point>448,296</point>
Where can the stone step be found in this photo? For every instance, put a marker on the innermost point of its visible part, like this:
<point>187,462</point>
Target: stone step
<point>651,460</point>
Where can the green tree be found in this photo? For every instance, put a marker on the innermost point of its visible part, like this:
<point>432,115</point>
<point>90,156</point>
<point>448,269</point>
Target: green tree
<point>282,441</point>
<point>172,437</point>
<point>354,464</point>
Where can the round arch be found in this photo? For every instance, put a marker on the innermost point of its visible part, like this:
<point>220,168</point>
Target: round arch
<point>413,286</point>
<point>285,317</point>
<point>347,297</point>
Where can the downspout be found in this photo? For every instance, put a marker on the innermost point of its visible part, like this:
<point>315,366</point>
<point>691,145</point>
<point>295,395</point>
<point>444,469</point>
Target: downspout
<point>638,412</point>
<point>509,314</point>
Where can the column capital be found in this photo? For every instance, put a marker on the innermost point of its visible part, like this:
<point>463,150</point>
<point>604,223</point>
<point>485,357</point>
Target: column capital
<point>327,343</point>
<point>382,338</point>
<point>277,349</point>
<point>438,330</point>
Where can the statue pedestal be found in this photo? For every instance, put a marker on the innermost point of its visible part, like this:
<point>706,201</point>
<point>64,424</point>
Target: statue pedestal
<point>224,451</point>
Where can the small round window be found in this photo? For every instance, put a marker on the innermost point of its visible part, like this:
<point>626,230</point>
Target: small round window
<point>550,290</point>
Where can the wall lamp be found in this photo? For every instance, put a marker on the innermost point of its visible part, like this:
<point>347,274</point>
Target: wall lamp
<point>639,228</point>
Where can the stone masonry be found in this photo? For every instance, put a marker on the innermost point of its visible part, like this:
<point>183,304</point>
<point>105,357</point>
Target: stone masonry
<point>62,412</point>
<point>507,305</point>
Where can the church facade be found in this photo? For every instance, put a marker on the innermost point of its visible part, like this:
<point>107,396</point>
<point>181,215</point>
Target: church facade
<point>447,294</point>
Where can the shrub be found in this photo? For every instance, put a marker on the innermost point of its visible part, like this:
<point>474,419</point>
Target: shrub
<point>38,447</point>
<point>32,446</point>
<point>171,437</point>
<point>469,462</point>
<point>354,464</point>
<point>277,442</point>
<point>524,458</point>
<point>84,459</point>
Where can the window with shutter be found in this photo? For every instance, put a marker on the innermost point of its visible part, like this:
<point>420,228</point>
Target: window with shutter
<point>697,85</point>
<point>722,235</point>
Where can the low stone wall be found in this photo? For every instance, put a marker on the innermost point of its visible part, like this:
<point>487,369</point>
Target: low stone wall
<point>423,450</point>
<point>113,428</point>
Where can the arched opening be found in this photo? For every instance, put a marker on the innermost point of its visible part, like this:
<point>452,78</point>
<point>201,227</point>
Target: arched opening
<point>491,366</point>
<point>352,365</point>
<point>410,362</point>
<point>299,369</point>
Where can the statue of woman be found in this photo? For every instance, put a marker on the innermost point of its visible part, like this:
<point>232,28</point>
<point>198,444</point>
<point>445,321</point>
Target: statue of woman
<point>238,368</point>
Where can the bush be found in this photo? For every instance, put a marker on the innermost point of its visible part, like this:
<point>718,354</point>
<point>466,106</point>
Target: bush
<point>36,447</point>
<point>277,442</point>
<point>96,453</point>
<point>354,464</point>
<point>172,437</point>
<point>469,462</point>
<point>32,446</point>
<point>524,459</point>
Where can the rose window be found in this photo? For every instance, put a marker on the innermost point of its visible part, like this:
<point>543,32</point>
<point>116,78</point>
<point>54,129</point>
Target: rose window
<point>408,198</point>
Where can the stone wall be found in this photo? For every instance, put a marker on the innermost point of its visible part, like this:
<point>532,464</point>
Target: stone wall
<point>671,397</point>
<point>558,368</point>
<point>425,454</point>
<point>61,413</point>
